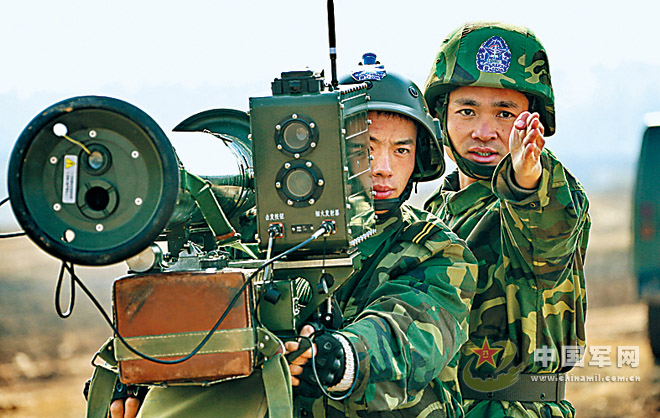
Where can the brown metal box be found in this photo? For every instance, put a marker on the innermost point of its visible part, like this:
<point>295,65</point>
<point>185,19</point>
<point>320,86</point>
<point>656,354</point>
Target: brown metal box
<point>168,314</point>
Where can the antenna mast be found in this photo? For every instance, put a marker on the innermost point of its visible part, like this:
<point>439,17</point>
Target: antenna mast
<point>333,43</point>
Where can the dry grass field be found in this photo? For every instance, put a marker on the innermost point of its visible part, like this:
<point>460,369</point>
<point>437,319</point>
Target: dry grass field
<point>44,360</point>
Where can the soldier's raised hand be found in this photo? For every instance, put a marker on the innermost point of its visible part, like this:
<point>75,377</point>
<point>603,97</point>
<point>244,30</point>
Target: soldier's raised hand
<point>525,145</point>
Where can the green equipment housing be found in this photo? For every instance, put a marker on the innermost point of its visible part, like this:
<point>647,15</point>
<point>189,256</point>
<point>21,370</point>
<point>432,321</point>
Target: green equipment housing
<point>94,180</point>
<point>311,163</point>
<point>646,230</point>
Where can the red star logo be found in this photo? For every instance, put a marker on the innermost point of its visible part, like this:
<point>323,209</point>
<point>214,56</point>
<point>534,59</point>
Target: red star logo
<point>486,353</point>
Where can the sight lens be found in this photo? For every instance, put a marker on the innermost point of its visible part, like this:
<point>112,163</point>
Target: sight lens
<point>296,136</point>
<point>299,184</point>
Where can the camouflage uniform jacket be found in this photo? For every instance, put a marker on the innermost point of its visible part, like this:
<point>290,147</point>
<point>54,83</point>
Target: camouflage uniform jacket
<point>406,314</point>
<point>530,290</point>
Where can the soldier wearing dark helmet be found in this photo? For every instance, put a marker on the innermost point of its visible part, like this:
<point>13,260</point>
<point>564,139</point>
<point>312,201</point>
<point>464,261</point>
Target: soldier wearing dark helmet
<point>395,96</point>
<point>521,212</point>
<point>404,312</point>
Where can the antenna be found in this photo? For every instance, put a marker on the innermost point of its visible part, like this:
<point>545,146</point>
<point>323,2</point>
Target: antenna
<point>333,43</point>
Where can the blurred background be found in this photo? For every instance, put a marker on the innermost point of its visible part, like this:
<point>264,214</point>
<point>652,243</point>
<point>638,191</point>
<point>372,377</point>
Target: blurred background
<point>173,59</point>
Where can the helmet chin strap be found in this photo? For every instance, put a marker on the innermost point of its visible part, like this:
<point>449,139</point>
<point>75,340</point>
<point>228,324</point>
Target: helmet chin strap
<point>470,168</point>
<point>390,206</point>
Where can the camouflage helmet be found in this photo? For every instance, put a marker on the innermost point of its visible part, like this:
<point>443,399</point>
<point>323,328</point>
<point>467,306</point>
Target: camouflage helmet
<point>494,55</point>
<point>391,92</point>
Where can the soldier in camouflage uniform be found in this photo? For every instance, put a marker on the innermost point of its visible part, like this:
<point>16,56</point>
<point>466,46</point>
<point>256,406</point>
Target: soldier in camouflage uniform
<point>522,214</point>
<point>404,313</point>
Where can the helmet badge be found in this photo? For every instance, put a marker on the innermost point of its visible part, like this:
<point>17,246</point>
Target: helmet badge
<point>494,56</point>
<point>371,69</point>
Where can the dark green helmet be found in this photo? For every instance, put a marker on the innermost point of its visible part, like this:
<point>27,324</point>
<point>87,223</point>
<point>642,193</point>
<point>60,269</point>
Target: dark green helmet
<point>494,55</point>
<point>394,93</point>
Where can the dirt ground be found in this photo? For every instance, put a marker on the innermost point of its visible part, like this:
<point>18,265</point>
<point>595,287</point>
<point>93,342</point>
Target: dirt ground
<point>44,360</point>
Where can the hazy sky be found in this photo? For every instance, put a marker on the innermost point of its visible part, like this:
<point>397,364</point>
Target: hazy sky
<point>73,47</point>
<point>176,58</point>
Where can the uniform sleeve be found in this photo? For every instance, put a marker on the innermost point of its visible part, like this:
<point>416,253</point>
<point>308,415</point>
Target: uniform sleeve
<point>542,230</point>
<point>415,321</point>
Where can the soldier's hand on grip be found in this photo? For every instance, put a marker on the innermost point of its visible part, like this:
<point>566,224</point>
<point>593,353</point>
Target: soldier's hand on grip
<point>329,358</point>
<point>126,400</point>
<point>124,408</point>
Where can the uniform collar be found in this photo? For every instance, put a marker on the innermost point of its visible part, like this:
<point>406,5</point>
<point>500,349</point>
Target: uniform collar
<point>459,201</point>
<point>384,230</point>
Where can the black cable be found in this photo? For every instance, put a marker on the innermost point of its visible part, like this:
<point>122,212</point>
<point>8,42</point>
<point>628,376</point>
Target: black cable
<point>322,230</point>
<point>72,293</point>
<point>10,234</point>
<point>74,278</point>
<point>271,232</point>
<point>133,350</point>
<point>325,228</point>
<point>356,366</point>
